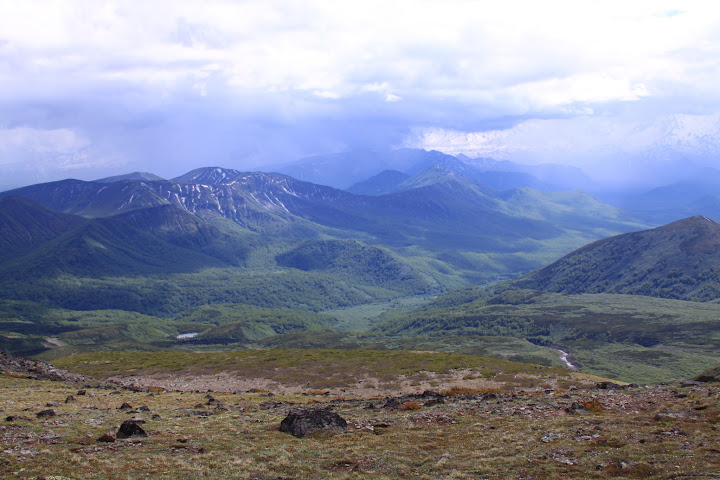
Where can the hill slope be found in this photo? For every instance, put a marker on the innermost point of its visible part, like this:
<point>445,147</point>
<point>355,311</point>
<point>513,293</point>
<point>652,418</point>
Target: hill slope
<point>25,224</point>
<point>680,260</point>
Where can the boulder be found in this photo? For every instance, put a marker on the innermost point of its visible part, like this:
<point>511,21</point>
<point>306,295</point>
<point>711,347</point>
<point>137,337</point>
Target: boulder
<point>131,428</point>
<point>304,422</point>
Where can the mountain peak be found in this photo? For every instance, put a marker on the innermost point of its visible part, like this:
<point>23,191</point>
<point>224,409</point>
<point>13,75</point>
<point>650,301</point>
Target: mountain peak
<point>698,221</point>
<point>208,176</point>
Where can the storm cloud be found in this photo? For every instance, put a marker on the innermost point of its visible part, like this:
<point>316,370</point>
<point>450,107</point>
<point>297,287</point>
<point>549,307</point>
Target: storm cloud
<point>90,89</point>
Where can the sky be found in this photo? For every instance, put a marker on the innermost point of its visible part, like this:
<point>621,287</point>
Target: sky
<point>96,88</point>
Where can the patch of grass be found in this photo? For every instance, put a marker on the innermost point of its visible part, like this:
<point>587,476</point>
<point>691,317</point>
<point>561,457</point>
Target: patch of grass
<point>460,439</point>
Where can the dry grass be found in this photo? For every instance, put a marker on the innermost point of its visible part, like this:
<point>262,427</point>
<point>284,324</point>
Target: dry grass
<point>456,390</point>
<point>517,435</point>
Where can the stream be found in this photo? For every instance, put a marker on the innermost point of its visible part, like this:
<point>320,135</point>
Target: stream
<point>564,357</point>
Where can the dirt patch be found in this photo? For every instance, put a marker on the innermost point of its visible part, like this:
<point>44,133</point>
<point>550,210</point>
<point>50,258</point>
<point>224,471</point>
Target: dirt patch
<point>368,386</point>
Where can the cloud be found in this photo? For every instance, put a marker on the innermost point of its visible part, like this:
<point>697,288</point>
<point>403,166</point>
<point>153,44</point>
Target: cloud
<point>169,84</point>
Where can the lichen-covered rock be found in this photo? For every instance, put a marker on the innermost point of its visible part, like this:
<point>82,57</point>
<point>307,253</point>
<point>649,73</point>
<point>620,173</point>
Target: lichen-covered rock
<point>304,422</point>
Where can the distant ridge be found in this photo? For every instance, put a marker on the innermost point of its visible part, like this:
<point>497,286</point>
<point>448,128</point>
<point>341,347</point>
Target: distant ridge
<point>384,182</point>
<point>680,260</point>
<point>141,176</point>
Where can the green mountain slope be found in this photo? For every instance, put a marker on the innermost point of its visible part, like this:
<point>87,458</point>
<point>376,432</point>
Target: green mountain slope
<point>680,260</point>
<point>183,229</point>
<point>354,261</point>
<point>105,247</point>
<point>25,224</point>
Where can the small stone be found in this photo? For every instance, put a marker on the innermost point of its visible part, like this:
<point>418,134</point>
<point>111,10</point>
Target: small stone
<point>106,438</point>
<point>125,406</point>
<point>15,418</point>
<point>577,409</point>
<point>52,404</point>
<point>690,383</point>
<point>81,392</point>
<point>46,413</point>
<point>69,399</point>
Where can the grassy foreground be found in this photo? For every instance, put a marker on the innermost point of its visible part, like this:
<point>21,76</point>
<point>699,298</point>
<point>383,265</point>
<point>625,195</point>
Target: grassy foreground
<point>541,423</point>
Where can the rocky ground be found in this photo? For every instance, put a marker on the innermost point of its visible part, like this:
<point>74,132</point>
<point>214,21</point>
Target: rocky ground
<point>65,429</point>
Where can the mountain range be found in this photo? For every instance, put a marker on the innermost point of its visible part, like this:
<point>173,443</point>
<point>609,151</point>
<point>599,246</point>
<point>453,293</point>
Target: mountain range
<point>437,209</point>
<point>252,258</point>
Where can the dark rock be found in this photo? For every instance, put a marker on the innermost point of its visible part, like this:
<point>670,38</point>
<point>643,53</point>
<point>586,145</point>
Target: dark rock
<point>613,386</point>
<point>69,399</point>
<point>81,392</point>
<point>106,438</point>
<point>125,406</point>
<point>52,404</point>
<point>15,418</point>
<point>46,413</point>
<point>304,422</point>
<point>131,428</point>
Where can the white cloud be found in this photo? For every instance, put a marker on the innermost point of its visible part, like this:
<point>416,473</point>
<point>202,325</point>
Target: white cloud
<point>552,52</point>
<point>111,68</point>
<point>60,141</point>
<point>575,140</point>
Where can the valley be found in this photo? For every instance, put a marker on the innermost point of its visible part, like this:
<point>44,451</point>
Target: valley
<point>434,260</point>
